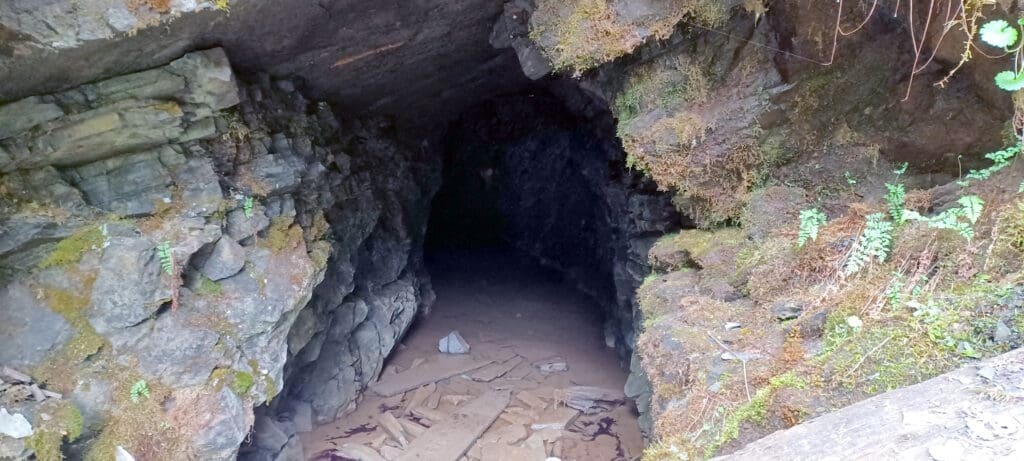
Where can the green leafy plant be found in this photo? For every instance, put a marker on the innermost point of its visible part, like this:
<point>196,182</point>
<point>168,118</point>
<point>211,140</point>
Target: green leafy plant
<point>1001,34</point>
<point>902,169</point>
<point>874,243</point>
<point>1000,159</point>
<point>811,222</point>
<point>166,257</point>
<point>960,219</point>
<point>139,390</point>
<point>850,179</point>
<point>247,207</point>
<point>222,5</point>
<point>895,198</point>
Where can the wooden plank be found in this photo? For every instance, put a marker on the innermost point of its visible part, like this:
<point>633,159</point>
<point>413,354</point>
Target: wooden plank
<point>953,414</point>
<point>495,370</point>
<point>393,428</point>
<point>450,439</point>
<point>419,397</point>
<point>442,367</point>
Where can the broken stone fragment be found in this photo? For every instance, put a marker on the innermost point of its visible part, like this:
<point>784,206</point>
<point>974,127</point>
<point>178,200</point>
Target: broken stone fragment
<point>454,343</point>
<point>120,454</point>
<point>15,425</point>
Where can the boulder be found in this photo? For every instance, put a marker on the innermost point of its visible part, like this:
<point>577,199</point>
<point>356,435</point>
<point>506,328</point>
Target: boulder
<point>226,259</point>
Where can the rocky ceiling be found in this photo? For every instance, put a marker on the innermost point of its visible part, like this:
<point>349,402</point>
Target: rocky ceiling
<point>420,60</point>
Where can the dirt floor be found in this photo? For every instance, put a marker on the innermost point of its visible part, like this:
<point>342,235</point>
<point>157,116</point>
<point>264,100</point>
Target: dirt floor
<point>511,312</point>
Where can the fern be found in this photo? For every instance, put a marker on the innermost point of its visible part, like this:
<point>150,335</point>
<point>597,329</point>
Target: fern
<point>896,197</point>
<point>960,219</point>
<point>166,257</point>
<point>1000,159</point>
<point>874,243</point>
<point>139,390</point>
<point>902,169</point>
<point>811,222</point>
<point>247,207</point>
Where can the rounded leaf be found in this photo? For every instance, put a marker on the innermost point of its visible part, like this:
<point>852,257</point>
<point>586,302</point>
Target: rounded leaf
<point>999,34</point>
<point>1010,80</point>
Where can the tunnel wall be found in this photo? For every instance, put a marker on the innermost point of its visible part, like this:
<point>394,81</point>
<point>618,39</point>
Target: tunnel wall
<point>542,171</point>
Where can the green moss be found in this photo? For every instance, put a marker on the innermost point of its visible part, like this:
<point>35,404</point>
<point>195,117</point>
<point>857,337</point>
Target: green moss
<point>46,445</point>
<point>242,383</point>
<point>143,428</point>
<point>65,422</point>
<point>208,287</point>
<point>753,411</point>
<point>59,368</point>
<point>281,235</point>
<point>270,386</point>
<point>882,357</point>
<point>71,249</point>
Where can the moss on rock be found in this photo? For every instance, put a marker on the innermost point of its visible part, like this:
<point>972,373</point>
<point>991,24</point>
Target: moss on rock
<point>71,249</point>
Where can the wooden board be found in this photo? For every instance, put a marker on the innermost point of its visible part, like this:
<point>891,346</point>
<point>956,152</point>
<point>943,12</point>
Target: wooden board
<point>948,417</point>
<point>448,440</point>
<point>495,370</point>
<point>442,367</point>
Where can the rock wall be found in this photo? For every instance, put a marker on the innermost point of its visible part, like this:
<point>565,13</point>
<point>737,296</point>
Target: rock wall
<point>161,233</point>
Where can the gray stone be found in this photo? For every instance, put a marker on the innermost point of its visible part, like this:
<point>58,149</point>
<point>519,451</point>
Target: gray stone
<point>211,82</point>
<point>29,330</point>
<point>268,435</point>
<point>786,310</point>
<point>240,227</point>
<point>200,189</point>
<point>176,351</point>
<point>129,285</point>
<point>129,185</point>
<point>21,115</point>
<point>273,174</point>
<point>453,343</point>
<point>292,451</point>
<point>302,415</point>
<point>1002,333</point>
<point>227,259</point>
<point>221,434</point>
<point>128,126</point>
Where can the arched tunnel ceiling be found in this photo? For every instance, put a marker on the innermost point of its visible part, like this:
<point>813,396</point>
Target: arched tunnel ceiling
<point>420,60</point>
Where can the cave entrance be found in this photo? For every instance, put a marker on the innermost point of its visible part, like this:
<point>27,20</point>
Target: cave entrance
<point>521,248</point>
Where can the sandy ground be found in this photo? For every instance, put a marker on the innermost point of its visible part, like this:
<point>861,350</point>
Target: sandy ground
<point>503,304</point>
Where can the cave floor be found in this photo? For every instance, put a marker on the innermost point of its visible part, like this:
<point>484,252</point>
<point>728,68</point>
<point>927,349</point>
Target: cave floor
<point>504,306</point>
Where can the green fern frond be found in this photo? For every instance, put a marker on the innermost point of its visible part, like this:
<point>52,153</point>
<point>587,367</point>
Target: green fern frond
<point>139,390</point>
<point>247,207</point>
<point>874,243</point>
<point>811,222</point>
<point>166,257</point>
